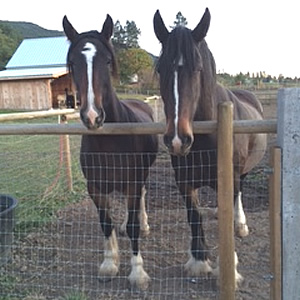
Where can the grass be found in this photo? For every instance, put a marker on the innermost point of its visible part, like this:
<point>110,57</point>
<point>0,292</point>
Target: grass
<point>31,170</point>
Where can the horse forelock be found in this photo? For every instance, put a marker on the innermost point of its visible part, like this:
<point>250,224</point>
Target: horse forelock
<point>181,47</point>
<point>94,35</point>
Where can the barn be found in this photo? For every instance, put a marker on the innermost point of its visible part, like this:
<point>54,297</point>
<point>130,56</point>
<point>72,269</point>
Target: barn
<point>36,77</point>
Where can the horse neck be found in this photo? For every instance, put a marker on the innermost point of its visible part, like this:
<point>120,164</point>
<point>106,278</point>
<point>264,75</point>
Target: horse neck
<point>207,106</point>
<point>207,101</point>
<point>112,106</point>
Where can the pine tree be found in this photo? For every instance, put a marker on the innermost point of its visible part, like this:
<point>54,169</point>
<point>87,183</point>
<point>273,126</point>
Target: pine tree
<point>180,21</point>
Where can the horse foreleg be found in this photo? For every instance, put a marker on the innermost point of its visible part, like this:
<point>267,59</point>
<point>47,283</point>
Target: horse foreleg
<point>241,227</point>
<point>198,263</point>
<point>145,228</point>
<point>138,277</point>
<point>110,264</point>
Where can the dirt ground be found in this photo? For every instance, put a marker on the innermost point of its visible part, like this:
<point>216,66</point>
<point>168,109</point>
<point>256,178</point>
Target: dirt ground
<point>64,256</point>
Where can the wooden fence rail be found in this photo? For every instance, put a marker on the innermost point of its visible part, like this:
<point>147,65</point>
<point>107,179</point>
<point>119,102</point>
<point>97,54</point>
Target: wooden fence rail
<point>247,126</point>
<point>35,114</point>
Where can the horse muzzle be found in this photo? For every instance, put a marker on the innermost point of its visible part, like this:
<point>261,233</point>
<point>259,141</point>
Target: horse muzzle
<point>93,118</point>
<point>178,146</point>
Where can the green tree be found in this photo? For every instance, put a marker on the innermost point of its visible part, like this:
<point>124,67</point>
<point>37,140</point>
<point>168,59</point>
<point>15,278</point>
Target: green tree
<point>127,36</point>
<point>180,21</point>
<point>119,37</point>
<point>132,35</point>
<point>9,41</point>
<point>133,61</point>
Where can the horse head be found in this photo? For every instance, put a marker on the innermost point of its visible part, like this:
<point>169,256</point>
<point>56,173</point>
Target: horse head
<point>91,60</point>
<point>180,69</point>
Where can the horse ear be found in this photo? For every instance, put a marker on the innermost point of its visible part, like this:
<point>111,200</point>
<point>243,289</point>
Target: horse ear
<point>108,26</point>
<point>201,29</point>
<point>69,30</point>
<point>160,28</point>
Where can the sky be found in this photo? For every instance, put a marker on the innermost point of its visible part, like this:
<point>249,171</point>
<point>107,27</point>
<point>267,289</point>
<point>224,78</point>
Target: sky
<point>244,35</point>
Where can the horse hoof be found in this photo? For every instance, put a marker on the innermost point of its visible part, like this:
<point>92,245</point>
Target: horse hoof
<point>108,270</point>
<point>139,280</point>
<point>242,230</point>
<point>196,268</point>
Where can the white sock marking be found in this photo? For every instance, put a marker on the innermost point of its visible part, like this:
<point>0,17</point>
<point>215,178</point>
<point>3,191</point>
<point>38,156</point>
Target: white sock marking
<point>240,217</point>
<point>110,264</point>
<point>138,277</point>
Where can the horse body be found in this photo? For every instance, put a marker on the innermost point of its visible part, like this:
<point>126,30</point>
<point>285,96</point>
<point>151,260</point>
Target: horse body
<point>111,162</point>
<point>190,92</point>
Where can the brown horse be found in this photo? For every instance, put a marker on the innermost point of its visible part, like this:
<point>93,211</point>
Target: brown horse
<point>111,162</point>
<point>189,90</point>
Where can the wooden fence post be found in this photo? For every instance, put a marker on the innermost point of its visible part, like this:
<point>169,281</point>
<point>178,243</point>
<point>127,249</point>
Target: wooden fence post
<point>67,155</point>
<point>225,201</point>
<point>275,222</point>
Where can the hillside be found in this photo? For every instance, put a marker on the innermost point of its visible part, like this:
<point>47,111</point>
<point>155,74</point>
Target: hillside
<point>30,30</point>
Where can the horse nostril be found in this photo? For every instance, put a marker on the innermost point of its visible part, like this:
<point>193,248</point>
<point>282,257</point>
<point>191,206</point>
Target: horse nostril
<point>187,140</point>
<point>168,140</point>
<point>100,119</point>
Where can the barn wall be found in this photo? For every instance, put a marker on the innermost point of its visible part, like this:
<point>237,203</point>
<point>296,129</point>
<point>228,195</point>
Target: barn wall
<point>25,94</point>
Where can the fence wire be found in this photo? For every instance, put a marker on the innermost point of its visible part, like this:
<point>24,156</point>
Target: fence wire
<point>58,244</point>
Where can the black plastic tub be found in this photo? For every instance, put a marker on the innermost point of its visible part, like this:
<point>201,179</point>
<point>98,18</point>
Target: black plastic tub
<point>7,224</point>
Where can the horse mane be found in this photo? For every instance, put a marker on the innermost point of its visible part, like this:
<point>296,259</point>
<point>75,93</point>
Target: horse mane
<point>196,57</point>
<point>94,34</point>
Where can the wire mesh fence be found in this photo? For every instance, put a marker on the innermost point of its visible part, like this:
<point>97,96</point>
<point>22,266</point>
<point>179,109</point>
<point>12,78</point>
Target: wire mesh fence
<point>58,243</point>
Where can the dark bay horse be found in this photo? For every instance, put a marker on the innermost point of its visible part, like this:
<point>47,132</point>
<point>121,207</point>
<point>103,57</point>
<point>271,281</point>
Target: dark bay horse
<point>190,92</point>
<point>110,162</point>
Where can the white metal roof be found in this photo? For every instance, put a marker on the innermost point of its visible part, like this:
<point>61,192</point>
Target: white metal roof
<point>33,73</point>
<point>39,57</point>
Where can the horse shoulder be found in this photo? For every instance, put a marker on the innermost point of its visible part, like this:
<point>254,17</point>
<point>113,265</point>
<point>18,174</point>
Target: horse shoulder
<point>141,110</point>
<point>246,104</point>
<point>249,99</point>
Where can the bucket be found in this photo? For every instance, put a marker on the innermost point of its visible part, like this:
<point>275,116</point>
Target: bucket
<point>7,224</point>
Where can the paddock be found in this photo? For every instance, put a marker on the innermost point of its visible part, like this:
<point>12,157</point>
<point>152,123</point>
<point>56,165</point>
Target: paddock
<point>57,251</point>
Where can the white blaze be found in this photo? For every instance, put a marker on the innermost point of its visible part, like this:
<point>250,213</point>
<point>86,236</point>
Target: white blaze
<point>89,51</point>
<point>176,140</point>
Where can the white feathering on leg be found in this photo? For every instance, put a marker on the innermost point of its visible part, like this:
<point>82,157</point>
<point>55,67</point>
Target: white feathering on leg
<point>145,228</point>
<point>138,277</point>
<point>197,267</point>
<point>240,217</point>
<point>110,264</point>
